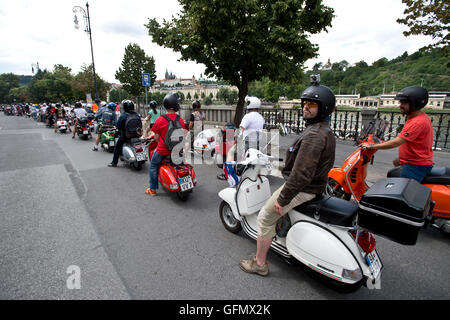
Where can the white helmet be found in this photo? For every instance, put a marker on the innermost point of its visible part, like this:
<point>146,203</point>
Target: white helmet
<point>103,103</point>
<point>252,102</point>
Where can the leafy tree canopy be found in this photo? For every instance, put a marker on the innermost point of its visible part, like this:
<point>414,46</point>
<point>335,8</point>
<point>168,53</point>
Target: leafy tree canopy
<point>134,63</point>
<point>244,41</point>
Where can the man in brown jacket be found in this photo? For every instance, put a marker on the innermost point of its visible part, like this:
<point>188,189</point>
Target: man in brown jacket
<point>307,164</point>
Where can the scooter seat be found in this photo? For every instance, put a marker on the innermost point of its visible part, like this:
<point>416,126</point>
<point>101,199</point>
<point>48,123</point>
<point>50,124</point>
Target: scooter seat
<point>437,175</point>
<point>330,210</point>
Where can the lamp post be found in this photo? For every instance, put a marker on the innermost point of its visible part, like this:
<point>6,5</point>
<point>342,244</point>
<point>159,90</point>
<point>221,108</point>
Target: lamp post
<point>87,23</point>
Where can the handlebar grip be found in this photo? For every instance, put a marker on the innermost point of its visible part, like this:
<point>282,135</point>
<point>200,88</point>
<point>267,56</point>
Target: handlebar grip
<point>280,159</point>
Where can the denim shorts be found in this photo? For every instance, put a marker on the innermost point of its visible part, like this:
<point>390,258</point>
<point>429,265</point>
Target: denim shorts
<point>416,172</point>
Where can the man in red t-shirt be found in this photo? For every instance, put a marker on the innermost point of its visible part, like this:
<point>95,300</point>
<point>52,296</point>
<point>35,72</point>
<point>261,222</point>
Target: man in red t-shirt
<point>172,105</point>
<point>415,142</point>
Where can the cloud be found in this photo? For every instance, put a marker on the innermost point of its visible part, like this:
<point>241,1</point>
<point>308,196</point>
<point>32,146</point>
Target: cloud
<point>43,31</point>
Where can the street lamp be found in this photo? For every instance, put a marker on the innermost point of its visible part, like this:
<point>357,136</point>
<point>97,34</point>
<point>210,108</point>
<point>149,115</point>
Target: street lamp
<point>87,29</point>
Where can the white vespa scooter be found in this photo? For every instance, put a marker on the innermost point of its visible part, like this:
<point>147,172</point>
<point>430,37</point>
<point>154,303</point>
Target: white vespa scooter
<point>62,125</point>
<point>324,233</point>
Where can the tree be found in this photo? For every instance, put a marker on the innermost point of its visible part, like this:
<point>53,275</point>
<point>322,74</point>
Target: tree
<point>243,41</point>
<point>430,18</point>
<point>134,63</point>
<point>188,96</point>
<point>8,81</point>
<point>118,95</point>
<point>83,83</point>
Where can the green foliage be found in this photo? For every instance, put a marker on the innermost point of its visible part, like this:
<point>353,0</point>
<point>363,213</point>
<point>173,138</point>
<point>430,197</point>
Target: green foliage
<point>243,41</point>
<point>134,63</point>
<point>56,86</point>
<point>188,96</point>
<point>426,68</point>
<point>430,18</point>
<point>8,81</point>
<point>118,95</point>
<point>227,95</point>
<point>207,101</point>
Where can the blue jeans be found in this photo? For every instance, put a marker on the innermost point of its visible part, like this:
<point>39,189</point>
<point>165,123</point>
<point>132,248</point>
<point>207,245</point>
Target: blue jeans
<point>155,163</point>
<point>415,172</point>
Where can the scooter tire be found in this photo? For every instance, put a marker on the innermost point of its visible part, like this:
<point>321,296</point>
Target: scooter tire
<point>228,220</point>
<point>183,196</point>
<point>137,166</point>
<point>340,193</point>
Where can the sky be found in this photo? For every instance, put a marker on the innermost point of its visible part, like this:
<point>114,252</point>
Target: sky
<point>43,32</point>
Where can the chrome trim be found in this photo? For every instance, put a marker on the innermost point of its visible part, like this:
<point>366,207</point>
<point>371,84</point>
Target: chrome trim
<point>387,215</point>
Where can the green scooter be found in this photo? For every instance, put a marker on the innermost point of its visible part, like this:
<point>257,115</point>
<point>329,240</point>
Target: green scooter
<point>107,139</point>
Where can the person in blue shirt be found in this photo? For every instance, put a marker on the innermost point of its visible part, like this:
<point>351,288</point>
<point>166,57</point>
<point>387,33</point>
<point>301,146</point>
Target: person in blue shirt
<point>107,115</point>
<point>152,116</point>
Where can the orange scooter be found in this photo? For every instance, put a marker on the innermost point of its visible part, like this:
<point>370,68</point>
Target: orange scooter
<point>350,179</point>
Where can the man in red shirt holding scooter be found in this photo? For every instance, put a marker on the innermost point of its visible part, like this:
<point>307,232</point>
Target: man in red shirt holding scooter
<point>172,104</point>
<point>415,141</point>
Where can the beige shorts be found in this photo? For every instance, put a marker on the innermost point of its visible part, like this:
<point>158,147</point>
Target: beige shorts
<point>268,217</point>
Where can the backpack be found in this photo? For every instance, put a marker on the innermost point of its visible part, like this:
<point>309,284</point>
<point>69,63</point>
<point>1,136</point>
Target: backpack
<point>172,139</point>
<point>107,117</point>
<point>133,126</point>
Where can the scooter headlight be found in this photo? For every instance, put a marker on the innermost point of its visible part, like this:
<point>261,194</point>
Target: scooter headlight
<point>354,275</point>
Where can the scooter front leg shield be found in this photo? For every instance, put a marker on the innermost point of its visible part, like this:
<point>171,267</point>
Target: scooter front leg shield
<point>229,196</point>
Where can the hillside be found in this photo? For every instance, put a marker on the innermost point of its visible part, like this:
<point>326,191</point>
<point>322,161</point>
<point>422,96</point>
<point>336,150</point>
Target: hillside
<point>428,69</point>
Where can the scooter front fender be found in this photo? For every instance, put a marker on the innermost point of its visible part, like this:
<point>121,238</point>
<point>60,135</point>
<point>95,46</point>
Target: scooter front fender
<point>229,196</point>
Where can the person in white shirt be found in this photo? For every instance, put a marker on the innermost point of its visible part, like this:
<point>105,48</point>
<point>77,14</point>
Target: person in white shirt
<point>251,127</point>
<point>79,112</point>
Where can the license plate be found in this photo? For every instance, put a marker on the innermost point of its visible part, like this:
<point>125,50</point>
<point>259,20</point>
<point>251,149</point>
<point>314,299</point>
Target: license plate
<point>374,263</point>
<point>141,156</point>
<point>85,132</point>
<point>269,166</point>
<point>63,127</point>
<point>186,183</point>
<point>111,143</point>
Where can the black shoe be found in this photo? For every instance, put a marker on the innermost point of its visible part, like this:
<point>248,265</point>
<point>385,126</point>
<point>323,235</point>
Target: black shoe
<point>95,148</point>
<point>221,176</point>
<point>112,165</point>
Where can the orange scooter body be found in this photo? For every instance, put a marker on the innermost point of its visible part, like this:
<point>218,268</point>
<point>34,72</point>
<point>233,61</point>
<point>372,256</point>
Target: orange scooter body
<point>169,173</point>
<point>352,175</point>
<point>441,195</point>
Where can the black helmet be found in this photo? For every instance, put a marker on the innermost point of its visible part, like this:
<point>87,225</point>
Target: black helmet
<point>97,101</point>
<point>153,104</point>
<point>127,105</point>
<point>78,105</point>
<point>323,95</point>
<point>415,95</point>
<point>172,101</point>
<point>196,104</point>
<point>58,105</point>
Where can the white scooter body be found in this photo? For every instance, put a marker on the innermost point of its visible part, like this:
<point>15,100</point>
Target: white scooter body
<point>62,125</point>
<point>133,157</point>
<point>206,140</point>
<point>328,249</point>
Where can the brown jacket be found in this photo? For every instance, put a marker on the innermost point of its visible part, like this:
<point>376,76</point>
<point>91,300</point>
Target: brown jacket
<point>308,161</point>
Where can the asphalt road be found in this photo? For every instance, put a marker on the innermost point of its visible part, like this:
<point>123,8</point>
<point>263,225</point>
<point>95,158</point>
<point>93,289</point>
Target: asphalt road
<point>61,206</point>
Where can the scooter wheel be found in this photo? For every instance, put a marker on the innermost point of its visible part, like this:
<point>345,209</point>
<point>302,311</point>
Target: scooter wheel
<point>183,196</point>
<point>137,166</point>
<point>229,221</point>
<point>334,189</point>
